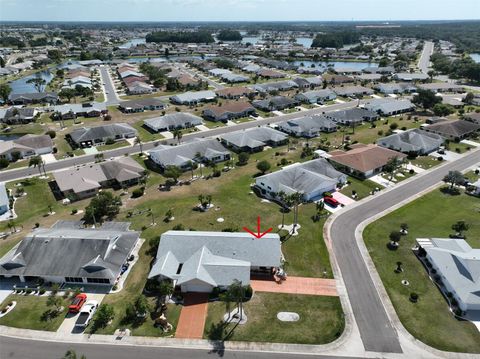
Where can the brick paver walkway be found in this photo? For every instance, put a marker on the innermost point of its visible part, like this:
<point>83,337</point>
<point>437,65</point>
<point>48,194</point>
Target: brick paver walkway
<point>193,316</point>
<point>297,285</point>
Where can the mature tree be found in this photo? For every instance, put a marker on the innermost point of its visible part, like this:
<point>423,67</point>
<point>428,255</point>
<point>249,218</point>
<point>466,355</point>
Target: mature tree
<point>441,109</point>
<point>454,178</point>
<point>67,93</point>
<point>105,314</point>
<point>392,166</point>
<point>138,142</point>
<point>55,55</point>
<point>38,83</point>
<point>172,172</point>
<point>243,158</point>
<point>177,133</point>
<point>105,204</point>
<point>460,227</point>
<point>36,161</point>
<point>235,293</point>
<point>5,91</point>
<point>263,166</point>
<point>431,74</point>
<point>426,98</point>
<point>468,98</point>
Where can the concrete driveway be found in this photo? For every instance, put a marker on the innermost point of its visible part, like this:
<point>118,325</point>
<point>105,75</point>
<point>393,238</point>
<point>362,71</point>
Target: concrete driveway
<point>68,324</point>
<point>6,288</point>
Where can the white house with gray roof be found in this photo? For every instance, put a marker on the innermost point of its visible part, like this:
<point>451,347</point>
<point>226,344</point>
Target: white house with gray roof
<point>193,97</point>
<point>172,121</point>
<point>254,139</point>
<point>458,265</point>
<point>413,141</point>
<point>198,150</point>
<point>95,136</point>
<point>70,253</point>
<point>317,96</point>
<point>201,261</point>
<point>389,106</point>
<point>4,199</point>
<point>311,178</point>
<point>308,126</point>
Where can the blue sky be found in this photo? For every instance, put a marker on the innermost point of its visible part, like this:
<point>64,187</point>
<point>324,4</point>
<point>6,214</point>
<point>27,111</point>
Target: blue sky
<point>237,10</point>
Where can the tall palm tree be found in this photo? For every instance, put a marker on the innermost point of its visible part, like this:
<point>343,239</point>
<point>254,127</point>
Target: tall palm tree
<point>297,198</point>
<point>281,196</point>
<point>198,158</point>
<point>177,133</point>
<point>36,161</point>
<point>138,142</point>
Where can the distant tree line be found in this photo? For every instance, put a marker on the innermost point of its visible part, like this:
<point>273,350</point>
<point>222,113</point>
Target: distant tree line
<point>10,41</point>
<point>229,35</point>
<point>336,39</point>
<point>181,37</point>
<point>464,67</point>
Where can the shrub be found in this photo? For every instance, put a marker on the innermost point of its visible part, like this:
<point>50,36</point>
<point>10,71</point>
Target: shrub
<point>41,291</point>
<point>178,227</point>
<point>393,126</point>
<point>413,297</point>
<point>4,163</point>
<point>28,291</point>
<point>411,171</point>
<point>109,141</point>
<point>138,192</point>
<point>51,133</point>
<point>217,173</point>
<point>74,211</point>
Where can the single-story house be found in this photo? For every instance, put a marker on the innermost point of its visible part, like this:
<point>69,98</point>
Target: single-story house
<point>453,130</point>
<point>353,91</point>
<point>201,261</point>
<point>473,117</point>
<point>253,139</point>
<point>337,79</point>
<point>94,136</point>
<point>386,70</point>
<point>407,76</point>
<point>19,115</point>
<point>308,126</point>
<point>192,98</point>
<point>172,121</point>
<point>395,88</point>
<point>232,78</point>
<point>270,74</point>
<point>276,103</point>
<point>234,92</point>
<point>69,253</point>
<point>198,150</point>
<point>389,106</point>
<point>413,141</point>
<point>351,116</point>
<point>458,265</point>
<point>4,199</point>
<point>228,111</point>
<point>275,86</point>
<point>36,97</point>
<point>85,181</point>
<point>74,110</point>
<point>317,96</point>
<point>362,160</point>
<point>311,178</point>
<point>442,87</point>
<point>26,146</point>
<point>141,105</point>
<point>139,87</point>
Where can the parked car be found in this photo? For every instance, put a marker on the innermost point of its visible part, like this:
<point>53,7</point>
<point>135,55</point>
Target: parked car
<point>331,201</point>
<point>77,303</point>
<point>86,314</point>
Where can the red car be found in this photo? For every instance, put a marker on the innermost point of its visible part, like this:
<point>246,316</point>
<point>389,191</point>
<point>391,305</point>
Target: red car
<point>77,303</point>
<point>331,201</point>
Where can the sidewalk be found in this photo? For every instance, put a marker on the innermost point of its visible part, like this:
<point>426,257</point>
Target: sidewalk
<point>193,316</point>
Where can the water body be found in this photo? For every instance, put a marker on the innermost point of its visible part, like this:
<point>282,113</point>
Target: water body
<point>475,57</point>
<point>9,137</point>
<point>132,43</point>
<point>345,64</point>
<point>21,85</point>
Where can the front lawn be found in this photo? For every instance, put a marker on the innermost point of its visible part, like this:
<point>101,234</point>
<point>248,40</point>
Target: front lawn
<point>29,313</point>
<point>363,188</point>
<point>118,144</point>
<point>144,134</point>
<point>429,319</point>
<point>321,320</point>
<point>425,162</point>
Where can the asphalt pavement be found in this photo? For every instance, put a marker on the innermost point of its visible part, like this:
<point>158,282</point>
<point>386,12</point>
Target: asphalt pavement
<point>376,330</point>
<point>111,97</point>
<point>424,62</point>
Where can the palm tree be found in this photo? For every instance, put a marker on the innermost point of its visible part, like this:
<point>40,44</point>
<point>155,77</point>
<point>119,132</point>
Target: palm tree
<point>198,158</point>
<point>138,142</point>
<point>297,198</point>
<point>36,161</point>
<point>177,133</point>
<point>281,196</point>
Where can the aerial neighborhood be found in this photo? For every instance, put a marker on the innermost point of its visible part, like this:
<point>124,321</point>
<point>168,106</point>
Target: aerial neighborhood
<point>241,187</point>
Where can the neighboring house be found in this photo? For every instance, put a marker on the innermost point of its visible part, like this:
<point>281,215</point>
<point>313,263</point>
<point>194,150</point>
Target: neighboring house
<point>309,126</point>
<point>442,87</point>
<point>234,92</point>
<point>473,117</point>
<point>275,86</point>
<point>91,109</point>
<point>270,74</point>
<point>395,88</point>
<point>173,121</point>
<point>37,97</point>
<point>201,261</point>
<point>458,265</point>
<point>254,139</point>
<point>414,141</point>
<point>337,79</point>
<point>311,178</point>
<point>198,150</point>
<point>363,161</point>
<point>407,76</point>
<point>351,116</point>
<point>385,70</point>
<point>476,188</point>
<point>389,106</point>
<point>4,199</point>
<point>234,78</point>
<point>26,146</point>
<point>276,103</point>
<point>192,98</point>
<point>141,105</point>
<point>453,130</point>
<point>70,253</point>
<point>318,96</point>
<point>85,181</point>
<point>22,115</point>
<point>94,136</point>
<point>138,88</point>
<point>228,111</point>
<point>353,91</point>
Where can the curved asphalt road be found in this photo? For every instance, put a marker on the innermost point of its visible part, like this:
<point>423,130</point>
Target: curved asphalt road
<point>376,331</point>
<point>12,348</point>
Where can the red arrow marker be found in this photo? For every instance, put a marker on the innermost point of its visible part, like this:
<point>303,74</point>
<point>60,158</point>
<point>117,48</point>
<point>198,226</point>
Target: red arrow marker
<point>258,234</point>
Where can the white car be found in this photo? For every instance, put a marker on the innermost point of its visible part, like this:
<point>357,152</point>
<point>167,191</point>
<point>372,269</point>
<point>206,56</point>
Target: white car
<point>86,314</point>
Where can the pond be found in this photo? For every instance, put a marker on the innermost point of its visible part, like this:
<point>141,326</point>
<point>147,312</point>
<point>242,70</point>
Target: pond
<point>475,57</point>
<point>4,137</point>
<point>21,85</point>
<point>132,43</point>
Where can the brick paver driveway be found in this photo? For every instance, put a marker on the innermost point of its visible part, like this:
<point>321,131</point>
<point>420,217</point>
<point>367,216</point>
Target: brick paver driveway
<point>297,285</point>
<point>193,316</point>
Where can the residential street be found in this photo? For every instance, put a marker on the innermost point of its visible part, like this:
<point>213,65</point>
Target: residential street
<point>376,330</point>
<point>424,62</point>
<point>111,97</point>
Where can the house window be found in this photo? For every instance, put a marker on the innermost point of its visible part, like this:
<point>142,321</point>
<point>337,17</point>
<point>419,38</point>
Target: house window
<point>98,280</point>
<point>73,280</point>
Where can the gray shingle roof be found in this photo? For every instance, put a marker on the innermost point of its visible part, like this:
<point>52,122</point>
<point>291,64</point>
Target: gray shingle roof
<point>415,140</point>
<point>197,96</point>
<point>173,120</point>
<point>388,106</point>
<point>35,141</point>
<point>308,125</point>
<point>216,258</point>
<point>254,137</point>
<point>66,250</point>
<point>105,131</point>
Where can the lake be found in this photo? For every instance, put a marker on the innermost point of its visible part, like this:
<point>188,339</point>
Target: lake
<point>21,85</point>
<point>9,137</point>
<point>132,43</point>
<point>475,57</point>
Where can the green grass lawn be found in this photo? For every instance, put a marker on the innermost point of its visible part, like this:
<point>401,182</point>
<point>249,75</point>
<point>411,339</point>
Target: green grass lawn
<point>429,320</point>
<point>362,187</point>
<point>118,144</point>
<point>321,320</point>
<point>425,162</point>
<point>144,134</point>
<point>33,128</point>
<point>29,311</point>
<point>459,147</point>
<point>214,124</point>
